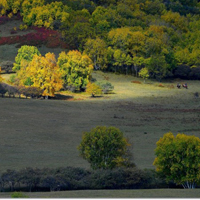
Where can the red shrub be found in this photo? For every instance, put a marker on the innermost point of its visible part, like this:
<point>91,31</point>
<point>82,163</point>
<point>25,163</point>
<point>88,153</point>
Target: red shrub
<point>50,38</point>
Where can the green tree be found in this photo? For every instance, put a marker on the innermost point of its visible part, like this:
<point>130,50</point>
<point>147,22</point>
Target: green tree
<point>122,59</point>
<point>157,66</point>
<point>137,62</point>
<point>144,73</point>
<point>178,159</point>
<point>96,49</point>
<point>103,147</point>
<point>25,54</point>
<point>76,68</point>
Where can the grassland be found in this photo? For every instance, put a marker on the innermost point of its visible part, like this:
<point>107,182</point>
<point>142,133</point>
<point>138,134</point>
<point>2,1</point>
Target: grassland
<point>155,193</point>
<point>46,133</point>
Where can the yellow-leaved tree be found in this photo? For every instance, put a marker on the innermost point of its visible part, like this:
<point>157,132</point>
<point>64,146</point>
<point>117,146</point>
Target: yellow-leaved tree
<point>45,74</point>
<point>0,76</point>
<point>76,69</point>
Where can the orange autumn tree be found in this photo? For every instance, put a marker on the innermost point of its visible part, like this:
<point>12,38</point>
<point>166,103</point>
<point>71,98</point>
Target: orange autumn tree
<point>45,74</point>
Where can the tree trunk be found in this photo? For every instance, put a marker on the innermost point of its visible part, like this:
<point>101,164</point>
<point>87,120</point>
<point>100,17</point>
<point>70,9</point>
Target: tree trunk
<point>136,70</point>
<point>132,69</point>
<point>126,70</point>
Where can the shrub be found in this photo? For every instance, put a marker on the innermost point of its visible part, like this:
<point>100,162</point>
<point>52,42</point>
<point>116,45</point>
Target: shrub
<point>12,78</point>
<point>106,86</point>
<point>2,89</point>
<point>124,178</point>
<point>7,66</point>
<point>195,73</point>
<point>18,195</point>
<point>70,178</point>
<point>30,91</point>
<point>12,90</point>
<point>182,71</point>
<point>93,89</point>
<point>30,177</point>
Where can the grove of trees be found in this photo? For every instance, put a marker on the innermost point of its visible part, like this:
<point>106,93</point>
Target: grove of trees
<point>122,35</point>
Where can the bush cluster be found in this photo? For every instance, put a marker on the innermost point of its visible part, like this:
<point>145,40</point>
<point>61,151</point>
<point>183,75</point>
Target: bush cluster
<point>6,66</point>
<point>70,178</point>
<point>19,90</point>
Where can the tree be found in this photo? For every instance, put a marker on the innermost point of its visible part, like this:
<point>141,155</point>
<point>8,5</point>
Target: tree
<point>1,79</point>
<point>103,147</point>
<point>96,49</point>
<point>144,73</point>
<point>25,54</point>
<point>76,68</point>
<point>157,67</point>
<point>137,62</point>
<point>121,59</point>
<point>178,159</point>
<point>93,89</point>
<point>45,74</point>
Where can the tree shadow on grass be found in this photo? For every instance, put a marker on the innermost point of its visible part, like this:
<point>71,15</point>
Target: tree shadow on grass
<point>62,97</point>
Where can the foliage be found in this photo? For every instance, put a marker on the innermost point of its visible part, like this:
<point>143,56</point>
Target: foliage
<point>71,178</point>
<point>45,74</point>
<point>44,15</point>
<point>144,73</point>
<point>1,79</point>
<point>7,66</point>
<point>104,147</point>
<point>97,51</point>
<point>76,68</point>
<point>157,67</point>
<point>2,89</point>
<point>40,36</point>
<point>25,54</point>
<point>117,35</point>
<point>30,91</point>
<point>18,195</point>
<point>106,86</point>
<point>93,89</point>
<point>178,159</point>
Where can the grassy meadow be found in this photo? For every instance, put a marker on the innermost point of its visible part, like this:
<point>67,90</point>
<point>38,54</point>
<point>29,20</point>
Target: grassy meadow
<point>150,193</point>
<point>46,133</point>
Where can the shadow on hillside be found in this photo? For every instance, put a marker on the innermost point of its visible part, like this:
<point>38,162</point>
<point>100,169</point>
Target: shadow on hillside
<point>62,97</point>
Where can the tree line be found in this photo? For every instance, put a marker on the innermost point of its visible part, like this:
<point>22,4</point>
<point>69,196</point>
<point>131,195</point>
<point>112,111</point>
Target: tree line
<point>121,35</point>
